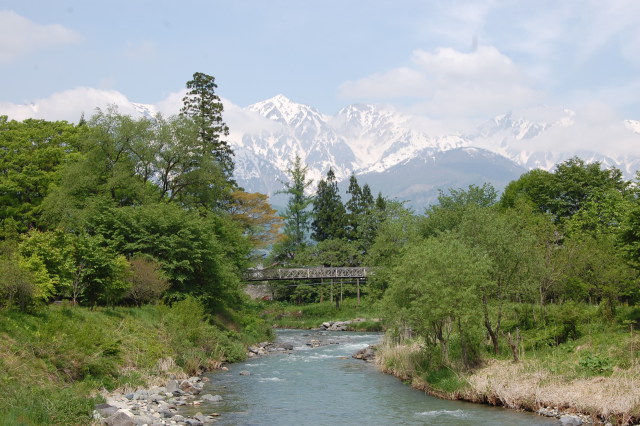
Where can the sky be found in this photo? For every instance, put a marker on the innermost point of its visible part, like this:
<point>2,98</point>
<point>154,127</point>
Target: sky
<point>454,61</point>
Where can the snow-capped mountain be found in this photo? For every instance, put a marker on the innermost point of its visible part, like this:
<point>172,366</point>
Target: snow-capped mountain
<point>360,139</point>
<point>401,156</point>
<point>384,147</point>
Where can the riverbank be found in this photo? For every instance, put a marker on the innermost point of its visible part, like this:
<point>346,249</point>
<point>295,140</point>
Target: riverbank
<point>351,315</point>
<point>57,363</point>
<point>531,385</point>
<point>164,403</point>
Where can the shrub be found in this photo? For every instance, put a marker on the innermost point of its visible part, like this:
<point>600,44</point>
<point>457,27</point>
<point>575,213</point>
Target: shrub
<point>198,342</point>
<point>148,282</point>
<point>16,285</point>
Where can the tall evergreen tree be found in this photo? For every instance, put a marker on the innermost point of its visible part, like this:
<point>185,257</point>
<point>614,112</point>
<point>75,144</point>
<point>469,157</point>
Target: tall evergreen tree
<point>367,201</point>
<point>381,203</point>
<point>359,208</point>
<point>368,219</point>
<point>328,211</point>
<point>204,106</point>
<point>354,208</point>
<point>297,215</point>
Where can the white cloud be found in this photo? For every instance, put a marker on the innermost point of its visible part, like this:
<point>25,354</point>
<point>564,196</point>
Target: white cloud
<point>19,35</point>
<point>241,121</point>
<point>142,51</point>
<point>596,127</point>
<point>395,84</point>
<point>68,105</point>
<point>461,23</point>
<point>485,64</point>
<point>449,82</point>
<point>171,104</point>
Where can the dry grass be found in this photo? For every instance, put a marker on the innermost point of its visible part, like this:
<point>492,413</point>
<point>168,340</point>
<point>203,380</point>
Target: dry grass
<point>398,360</point>
<point>528,385</point>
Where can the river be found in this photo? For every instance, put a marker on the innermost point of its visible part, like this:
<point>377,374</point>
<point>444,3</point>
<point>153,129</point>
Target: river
<point>325,386</point>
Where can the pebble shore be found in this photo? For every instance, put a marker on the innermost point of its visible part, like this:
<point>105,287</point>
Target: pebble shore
<point>160,405</point>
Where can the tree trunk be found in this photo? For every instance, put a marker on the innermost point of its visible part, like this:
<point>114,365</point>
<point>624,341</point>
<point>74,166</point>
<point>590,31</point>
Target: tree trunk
<point>514,345</point>
<point>493,331</point>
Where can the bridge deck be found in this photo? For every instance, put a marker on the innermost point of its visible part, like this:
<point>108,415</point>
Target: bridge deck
<point>306,273</point>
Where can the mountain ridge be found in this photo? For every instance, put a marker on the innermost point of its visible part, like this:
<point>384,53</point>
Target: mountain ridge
<point>367,140</point>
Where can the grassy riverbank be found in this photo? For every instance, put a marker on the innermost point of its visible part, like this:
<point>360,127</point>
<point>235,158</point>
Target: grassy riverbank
<point>595,372</point>
<point>285,315</point>
<point>53,363</point>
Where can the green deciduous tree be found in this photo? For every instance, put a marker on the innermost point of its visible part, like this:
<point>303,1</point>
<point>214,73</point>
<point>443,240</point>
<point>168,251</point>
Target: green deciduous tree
<point>17,285</point>
<point>200,255</point>
<point>396,231</point>
<point>565,191</point>
<point>79,267</point>
<point>435,290</point>
<point>31,155</point>
<point>597,272</point>
<point>451,207</point>
<point>602,213</point>
<point>514,262</point>
<point>148,282</point>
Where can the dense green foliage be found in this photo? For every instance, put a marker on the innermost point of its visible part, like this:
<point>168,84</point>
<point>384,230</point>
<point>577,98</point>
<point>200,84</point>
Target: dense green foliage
<point>32,154</point>
<point>343,234</point>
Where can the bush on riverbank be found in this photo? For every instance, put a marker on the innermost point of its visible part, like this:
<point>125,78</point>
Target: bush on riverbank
<point>54,361</point>
<point>594,370</point>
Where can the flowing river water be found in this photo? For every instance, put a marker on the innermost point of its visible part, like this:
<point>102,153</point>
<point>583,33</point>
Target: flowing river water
<point>325,386</point>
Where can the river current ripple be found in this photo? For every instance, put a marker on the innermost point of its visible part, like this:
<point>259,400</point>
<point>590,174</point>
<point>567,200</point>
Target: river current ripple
<point>325,386</point>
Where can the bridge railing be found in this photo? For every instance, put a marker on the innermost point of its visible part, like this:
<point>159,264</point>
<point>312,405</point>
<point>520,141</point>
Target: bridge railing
<point>306,273</point>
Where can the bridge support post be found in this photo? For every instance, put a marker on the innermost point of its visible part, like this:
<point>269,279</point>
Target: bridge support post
<point>358,290</point>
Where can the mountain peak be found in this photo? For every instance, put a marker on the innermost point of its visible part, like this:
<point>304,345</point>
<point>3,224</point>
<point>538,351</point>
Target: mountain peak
<point>282,109</point>
<point>279,98</point>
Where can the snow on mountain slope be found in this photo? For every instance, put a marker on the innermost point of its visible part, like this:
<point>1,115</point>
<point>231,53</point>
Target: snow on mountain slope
<point>381,137</point>
<point>373,140</point>
<point>379,141</point>
<point>358,139</point>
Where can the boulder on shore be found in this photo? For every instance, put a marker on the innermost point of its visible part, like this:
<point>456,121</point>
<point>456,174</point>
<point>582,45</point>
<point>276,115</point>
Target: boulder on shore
<point>366,354</point>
